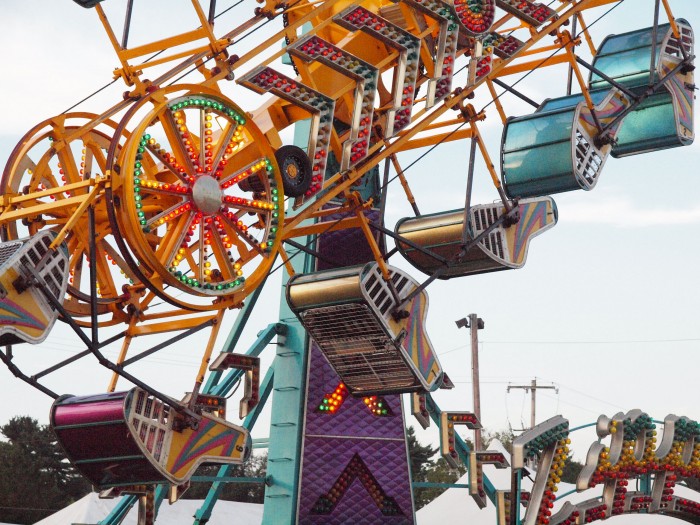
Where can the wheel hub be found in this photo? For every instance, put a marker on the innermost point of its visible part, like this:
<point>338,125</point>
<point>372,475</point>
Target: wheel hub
<point>207,194</point>
<point>292,170</point>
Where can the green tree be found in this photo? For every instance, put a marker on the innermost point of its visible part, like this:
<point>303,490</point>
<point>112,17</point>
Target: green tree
<point>35,477</point>
<point>419,455</point>
<point>255,467</point>
<point>424,469</point>
<point>504,436</point>
<point>571,470</point>
<point>437,472</point>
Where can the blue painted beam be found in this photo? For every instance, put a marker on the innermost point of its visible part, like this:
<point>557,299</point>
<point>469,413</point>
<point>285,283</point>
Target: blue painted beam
<point>284,446</point>
<point>235,334</point>
<point>226,479</point>
<point>126,503</point>
<point>224,387</point>
<point>460,446</point>
<point>435,485</point>
<point>120,511</point>
<point>204,512</point>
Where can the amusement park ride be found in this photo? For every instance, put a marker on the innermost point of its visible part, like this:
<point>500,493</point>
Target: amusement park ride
<point>176,194</point>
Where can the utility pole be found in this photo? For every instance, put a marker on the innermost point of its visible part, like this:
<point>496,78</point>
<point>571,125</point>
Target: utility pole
<point>475,324</point>
<point>532,387</point>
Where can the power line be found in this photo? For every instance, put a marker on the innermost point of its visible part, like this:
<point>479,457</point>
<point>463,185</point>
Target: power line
<point>147,60</point>
<point>573,405</point>
<point>633,341</point>
<point>610,342</point>
<point>588,395</point>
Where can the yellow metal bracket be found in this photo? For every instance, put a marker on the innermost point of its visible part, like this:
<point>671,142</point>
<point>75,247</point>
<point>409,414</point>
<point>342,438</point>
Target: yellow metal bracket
<point>568,43</point>
<point>77,214</point>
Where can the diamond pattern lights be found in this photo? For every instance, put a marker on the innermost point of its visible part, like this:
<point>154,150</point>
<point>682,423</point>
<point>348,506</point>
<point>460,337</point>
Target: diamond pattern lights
<point>529,12</point>
<point>504,46</point>
<point>332,402</point>
<point>476,472</point>
<point>631,448</point>
<point>356,470</point>
<point>250,368</point>
<point>419,408</point>
<point>378,406</point>
<point>440,83</point>
<point>686,507</point>
<point>475,16</point>
<point>632,454</point>
<point>480,64</point>
<point>504,502</point>
<point>212,404</point>
<point>567,516</point>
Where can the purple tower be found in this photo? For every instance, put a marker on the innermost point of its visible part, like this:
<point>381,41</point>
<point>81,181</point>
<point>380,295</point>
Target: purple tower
<point>355,464</point>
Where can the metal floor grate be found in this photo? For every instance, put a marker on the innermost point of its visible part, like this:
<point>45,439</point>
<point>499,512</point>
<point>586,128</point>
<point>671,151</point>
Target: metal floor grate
<point>359,347</point>
<point>8,249</point>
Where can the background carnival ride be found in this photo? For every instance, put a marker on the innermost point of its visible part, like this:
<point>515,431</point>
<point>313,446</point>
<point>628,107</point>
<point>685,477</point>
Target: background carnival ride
<point>176,194</point>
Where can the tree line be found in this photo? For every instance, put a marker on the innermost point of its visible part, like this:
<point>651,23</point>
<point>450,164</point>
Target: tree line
<point>37,480</point>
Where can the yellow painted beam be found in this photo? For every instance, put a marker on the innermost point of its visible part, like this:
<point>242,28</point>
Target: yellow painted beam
<point>165,43</point>
<point>184,323</point>
<point>12,200</point>
<point>338,183</point>
<point>322,227</point>
<point>529,66</point>
<point>438,138</point>
<point>22,213</point>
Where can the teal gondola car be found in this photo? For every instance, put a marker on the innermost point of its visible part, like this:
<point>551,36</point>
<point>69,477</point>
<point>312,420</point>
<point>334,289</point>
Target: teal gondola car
<point>664,119</point>
<point>557,148</point>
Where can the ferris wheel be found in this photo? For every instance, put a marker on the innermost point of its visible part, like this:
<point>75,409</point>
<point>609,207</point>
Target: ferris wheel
<point>178,195</point>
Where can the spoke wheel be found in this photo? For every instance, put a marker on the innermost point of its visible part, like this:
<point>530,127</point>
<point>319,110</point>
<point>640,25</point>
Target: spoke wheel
<point>56,153</point>
<point>296,170</point>
<point>199,239</point>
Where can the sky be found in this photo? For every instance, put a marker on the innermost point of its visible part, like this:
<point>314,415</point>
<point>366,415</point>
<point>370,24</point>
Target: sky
<point>606,308</point>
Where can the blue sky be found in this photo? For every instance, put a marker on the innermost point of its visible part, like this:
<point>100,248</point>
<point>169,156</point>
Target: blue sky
<point>606,307</point>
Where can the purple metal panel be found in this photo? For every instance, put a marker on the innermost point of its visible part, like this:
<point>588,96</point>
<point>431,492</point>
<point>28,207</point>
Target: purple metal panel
<point>385,459</point>
<point>354,412</point>
<point>346,247</point>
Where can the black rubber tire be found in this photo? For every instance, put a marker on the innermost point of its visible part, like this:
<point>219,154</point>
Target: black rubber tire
<point>295,167</point>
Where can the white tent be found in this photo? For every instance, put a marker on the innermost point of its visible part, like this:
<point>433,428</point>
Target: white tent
<point>455,505</point>
<point>91,509</point>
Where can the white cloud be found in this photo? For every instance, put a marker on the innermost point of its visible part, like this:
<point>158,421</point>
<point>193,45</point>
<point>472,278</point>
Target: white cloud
<point>624,213</point>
